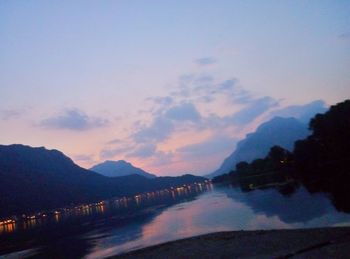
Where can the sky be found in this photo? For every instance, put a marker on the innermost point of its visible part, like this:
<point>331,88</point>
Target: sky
<point>170,86</point>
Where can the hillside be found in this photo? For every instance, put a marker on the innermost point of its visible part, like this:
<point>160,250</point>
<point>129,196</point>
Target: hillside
<point>119,168</point>
<point>36,178</point>
<point>278,131</point>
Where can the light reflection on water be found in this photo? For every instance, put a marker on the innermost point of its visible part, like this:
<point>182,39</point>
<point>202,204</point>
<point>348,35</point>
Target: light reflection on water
<point>73,223</point>
<point>222,210</point>
<point>25,222</point>
<point>7,228</point>
<point>148,219</point>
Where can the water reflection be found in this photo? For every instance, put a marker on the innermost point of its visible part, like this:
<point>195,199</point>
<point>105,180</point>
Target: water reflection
<point>25,222</point>
<point>221,210</point>
<point>298,207</point>
<point>69,224</point>
<point>7,228</point>
<point>133,222</point>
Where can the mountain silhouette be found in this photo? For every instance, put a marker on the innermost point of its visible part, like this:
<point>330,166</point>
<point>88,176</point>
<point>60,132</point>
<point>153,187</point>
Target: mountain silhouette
<point>34,179</point>
<point>277,131</point>
<point>119,168</point>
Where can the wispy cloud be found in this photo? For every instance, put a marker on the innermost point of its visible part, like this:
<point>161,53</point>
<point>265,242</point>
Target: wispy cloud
<point>112,152</point>
<point>206,88</point>
<point>73,119</point>
<point>302,112</point>
<point>205,61</point>
<point>160,129</point>
<point>213,145</point>
<point>161,100</point>
<point>183,112</point>
<point>143,151</point>
<point>9,114</point>
<point>162,158</point>
<point>191,108</point>
<point>254,109</point>
<point>114,141</point>
<point>345,36</point>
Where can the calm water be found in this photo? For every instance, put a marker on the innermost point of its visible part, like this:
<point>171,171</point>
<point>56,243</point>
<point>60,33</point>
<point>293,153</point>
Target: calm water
<point>167,217</point>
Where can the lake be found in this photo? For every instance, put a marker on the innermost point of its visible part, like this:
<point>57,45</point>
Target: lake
<point>131,223</point>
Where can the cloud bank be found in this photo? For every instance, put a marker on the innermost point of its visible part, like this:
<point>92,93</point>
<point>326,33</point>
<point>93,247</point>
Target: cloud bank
<point>200,119</point>
<point>73,119</point>
<point>205,61</point>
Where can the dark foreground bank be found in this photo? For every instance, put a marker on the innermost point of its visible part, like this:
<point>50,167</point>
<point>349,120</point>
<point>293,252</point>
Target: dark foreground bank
<point>299,243</point>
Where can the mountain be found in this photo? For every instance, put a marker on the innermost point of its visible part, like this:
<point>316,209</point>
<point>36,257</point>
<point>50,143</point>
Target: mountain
<point>119,168</point>
<point>302,113</point>
<point>34,179</point>
<point>278,131</point>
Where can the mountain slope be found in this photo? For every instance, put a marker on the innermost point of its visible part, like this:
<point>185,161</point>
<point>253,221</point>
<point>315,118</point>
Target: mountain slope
<point>33,179</point>
<point>119,168</point>
<point>278,131</point>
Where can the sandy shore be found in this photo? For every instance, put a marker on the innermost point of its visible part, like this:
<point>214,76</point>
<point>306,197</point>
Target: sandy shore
<point>300,243</point>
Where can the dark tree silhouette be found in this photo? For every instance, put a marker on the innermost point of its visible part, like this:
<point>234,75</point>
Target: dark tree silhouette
<point>321,162</point>
<point>242,166</point>
<point>323,159</point>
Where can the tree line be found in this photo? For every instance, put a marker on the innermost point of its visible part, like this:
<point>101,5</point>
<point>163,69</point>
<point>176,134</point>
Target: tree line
<point>321,162</point>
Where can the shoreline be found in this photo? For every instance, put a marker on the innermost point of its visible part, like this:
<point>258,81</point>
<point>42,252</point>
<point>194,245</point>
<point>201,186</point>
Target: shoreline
<point>330,242</point>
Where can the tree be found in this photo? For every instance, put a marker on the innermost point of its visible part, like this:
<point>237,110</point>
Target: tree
<point>323,158</point>
<point>278,157</point>
<point>242,167</point>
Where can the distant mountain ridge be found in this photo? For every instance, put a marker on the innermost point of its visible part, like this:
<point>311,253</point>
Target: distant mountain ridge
<point>119,168</point>
<point>33,179</point>
<point>302,113</point>
<point>277,131</point>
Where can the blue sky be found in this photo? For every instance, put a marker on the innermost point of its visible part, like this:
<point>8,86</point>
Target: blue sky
<point>157,82</point>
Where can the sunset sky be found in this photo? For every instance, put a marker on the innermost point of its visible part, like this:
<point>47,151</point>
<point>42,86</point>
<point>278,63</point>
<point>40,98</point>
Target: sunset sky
<point>169,86</point>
